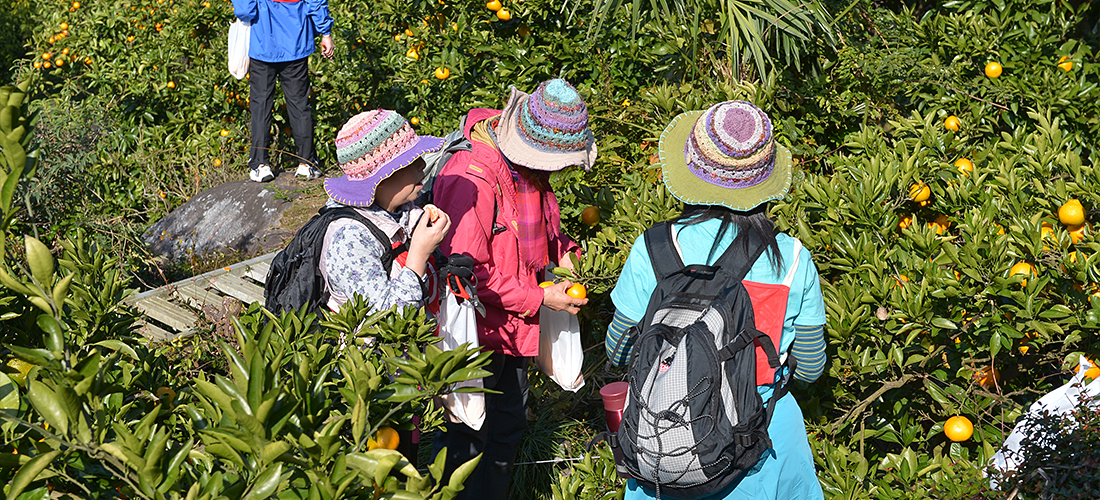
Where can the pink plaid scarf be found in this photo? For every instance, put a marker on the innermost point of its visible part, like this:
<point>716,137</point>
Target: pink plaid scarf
<point>533,217</point>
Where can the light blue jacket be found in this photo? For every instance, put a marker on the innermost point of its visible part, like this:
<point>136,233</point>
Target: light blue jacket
<point>283,30</point>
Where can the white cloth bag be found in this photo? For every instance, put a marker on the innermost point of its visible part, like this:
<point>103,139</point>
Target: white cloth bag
<point>457,326</point>
<point>561,356</point>
<point>1059,401</point>
<point>239,32</point>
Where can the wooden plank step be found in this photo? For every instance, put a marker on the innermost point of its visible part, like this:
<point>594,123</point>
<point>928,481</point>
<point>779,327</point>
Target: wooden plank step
<point>244,291</point>
<point>160,309</point>
<point>258,272</point>
<point>197,293</point>
<point>153,332</point>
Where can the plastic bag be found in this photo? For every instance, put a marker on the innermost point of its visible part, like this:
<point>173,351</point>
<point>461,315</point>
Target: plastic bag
<point>457,326</point>
<point>560,354</point>
<point>239,32</point>
<point>1061,400</point>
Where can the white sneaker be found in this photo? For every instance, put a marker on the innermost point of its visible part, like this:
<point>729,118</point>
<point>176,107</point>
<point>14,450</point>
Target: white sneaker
<point>308,171</point>
<point>261,174</point>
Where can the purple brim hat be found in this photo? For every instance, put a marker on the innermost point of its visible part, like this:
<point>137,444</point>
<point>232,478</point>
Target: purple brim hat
<point>360,193</point>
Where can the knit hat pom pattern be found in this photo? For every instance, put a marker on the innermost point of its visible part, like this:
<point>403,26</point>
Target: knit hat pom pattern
<point>555,119</point>
<point>732,146</point>
<point>370,139</point>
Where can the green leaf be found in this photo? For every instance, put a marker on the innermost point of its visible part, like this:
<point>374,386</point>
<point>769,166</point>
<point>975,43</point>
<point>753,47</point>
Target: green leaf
<point>266,483</point>
<point>47,403</point>
<point>29,472</point>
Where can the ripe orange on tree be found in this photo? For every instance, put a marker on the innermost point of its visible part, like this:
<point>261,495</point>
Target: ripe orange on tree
<point>952,123</point>
<point>1071,213</point>
<point>920,192</point>
<point>1076,233</point>
<point>217,162</point>
<point>64,26</point>
<point>905,221</point>
<point>386,437</point>
<point>987,377</point>
<point>993,69</point>
<point>503,14</point>
<point>414,120</point>
<point>442,73</point>
<point>1022,268</point>
<point>412,53</point>
<point>958,428</point>
<point>493,5</point>
<point>1064,64</point>
<point>577,291</point>
<point>590,215</point>
<point>965,166</point>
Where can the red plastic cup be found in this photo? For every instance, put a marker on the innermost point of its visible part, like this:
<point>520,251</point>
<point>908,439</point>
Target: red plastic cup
<point>614,400</point>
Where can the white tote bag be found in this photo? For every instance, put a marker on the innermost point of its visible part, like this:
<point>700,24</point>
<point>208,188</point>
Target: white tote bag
<point>560,354</point>
<point>457,326</point>
<point>238,48</point>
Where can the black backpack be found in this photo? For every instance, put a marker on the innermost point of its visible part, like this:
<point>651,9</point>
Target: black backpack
<point>694,421</point>
<point>294,278</point>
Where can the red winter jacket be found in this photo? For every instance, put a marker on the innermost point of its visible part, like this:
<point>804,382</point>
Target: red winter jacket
<point>475,188</point>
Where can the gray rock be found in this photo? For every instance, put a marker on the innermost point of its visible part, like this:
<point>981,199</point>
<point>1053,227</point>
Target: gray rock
<point>236,217</point>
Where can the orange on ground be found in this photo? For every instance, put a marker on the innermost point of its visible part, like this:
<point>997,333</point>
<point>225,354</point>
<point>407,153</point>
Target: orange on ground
<point>920,192</point>
<point>442,73</point>
<point>993,69</point>
<point>958,428</point>
<point>952,123</point>
<point>1072,213</point>
<point>503,14</point>
<point>577,291</point>
<point>590,215</point>
<point>965,166</point>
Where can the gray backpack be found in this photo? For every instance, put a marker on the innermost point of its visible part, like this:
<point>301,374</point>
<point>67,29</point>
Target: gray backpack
<point>694,421</point>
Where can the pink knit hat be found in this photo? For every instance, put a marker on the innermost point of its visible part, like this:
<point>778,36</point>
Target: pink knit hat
<point>371,147</point>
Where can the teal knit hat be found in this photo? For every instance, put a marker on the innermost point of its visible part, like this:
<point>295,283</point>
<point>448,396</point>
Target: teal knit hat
<point>547,130</point>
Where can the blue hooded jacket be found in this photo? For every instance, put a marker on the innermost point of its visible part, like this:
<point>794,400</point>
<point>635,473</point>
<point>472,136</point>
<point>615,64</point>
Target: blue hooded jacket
<point>283,30</point>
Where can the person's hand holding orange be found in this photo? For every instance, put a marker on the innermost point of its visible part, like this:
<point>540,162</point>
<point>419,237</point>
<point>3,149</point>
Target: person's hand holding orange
<point>557,298</point>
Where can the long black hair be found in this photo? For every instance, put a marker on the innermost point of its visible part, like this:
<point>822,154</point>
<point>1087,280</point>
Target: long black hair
<point>755,220</point>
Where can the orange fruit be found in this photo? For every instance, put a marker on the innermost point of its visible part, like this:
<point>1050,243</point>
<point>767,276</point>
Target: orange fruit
<point>965,166</point>
<point>76,5</point>
<point>920,192</point>
<point>545,284</point>
<point>412,54</point>
<point>1071,213</point>
<point>46,64</point>
<point>217,162</point>
<point>905,221</point>
<point>65,51</point>
<point>442,73</point>
<point>167,391</point>
<point>987,377</point>
<point>1076,233</point>
<point>52,39</point>
<point>64,26</point>
<point>993,69</point>
<point>952,123</point>
<point>37,64</point>
<point>590,215</point>
<point>1093,372</point>
<point>414,120</point>
<point>1064,64</point>
<point>577,291</point>
<point>387,438</point>
<point>493,5</point>
<point>958,428</point>
<point>503,14</point>
<point>47,55</point>
<point>1022,268</point>
<point>523,31</point>
<point>171,84</point>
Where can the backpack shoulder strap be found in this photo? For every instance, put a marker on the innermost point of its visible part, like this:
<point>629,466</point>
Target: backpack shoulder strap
<point>389,251</point>
<point>663,256</point>
<point>741,254</point>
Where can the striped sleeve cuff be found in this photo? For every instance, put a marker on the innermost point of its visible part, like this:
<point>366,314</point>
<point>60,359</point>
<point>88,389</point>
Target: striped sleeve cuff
<point>809,351</point>
<point>619,342</point>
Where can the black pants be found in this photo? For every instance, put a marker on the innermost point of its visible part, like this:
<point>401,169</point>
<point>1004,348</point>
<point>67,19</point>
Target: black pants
<point>294,77</point>
<point>499,437</point>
